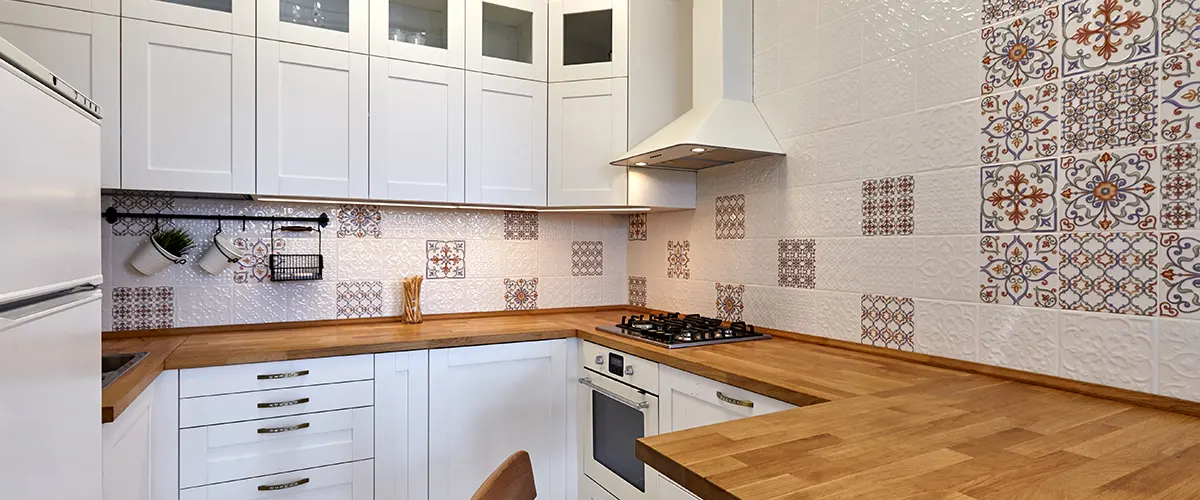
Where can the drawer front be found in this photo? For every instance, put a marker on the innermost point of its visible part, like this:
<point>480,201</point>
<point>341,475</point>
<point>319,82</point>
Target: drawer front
<point>353,481</point>
<point>727,398</point>
<point>275,375</point>
<point>227,452</point>
<point>213,410</point>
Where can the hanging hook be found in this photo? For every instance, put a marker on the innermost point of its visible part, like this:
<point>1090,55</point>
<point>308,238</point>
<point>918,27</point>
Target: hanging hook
<point>219,224</point>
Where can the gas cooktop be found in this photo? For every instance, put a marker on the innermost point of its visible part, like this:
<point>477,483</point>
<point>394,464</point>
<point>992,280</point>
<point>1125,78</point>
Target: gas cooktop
<point>673,330</point>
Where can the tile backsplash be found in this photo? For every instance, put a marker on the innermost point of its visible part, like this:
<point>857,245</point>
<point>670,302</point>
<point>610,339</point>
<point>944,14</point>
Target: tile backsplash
<point>472,261</point>
<point>1010,182</point>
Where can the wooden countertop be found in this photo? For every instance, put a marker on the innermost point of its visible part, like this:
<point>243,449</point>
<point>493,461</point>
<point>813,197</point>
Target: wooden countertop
<point>126,388</point>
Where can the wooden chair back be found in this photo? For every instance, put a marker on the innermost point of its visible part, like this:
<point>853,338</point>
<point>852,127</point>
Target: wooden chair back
<point>513,480</point>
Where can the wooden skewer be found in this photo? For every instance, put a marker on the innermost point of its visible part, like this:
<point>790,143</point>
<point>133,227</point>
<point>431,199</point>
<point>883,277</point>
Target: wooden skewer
<point>412,298</point>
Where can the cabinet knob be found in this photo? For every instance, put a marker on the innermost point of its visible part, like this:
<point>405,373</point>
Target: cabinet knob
<point>629,369</point>
<point>600,359</point>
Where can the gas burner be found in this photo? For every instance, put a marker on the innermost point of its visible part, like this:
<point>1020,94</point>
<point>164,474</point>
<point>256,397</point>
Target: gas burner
<point>673,330</point>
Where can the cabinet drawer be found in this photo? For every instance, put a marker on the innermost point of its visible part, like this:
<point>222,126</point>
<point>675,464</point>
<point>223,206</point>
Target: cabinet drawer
<point>227,452</point>
<point>353,481</point>
<point>214,410</point>
<point>276,375</point>
<point>689,400</point>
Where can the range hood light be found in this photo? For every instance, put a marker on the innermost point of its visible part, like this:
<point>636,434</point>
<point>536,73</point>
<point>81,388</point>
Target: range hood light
<point>698,150</point>
<point>640,164</point>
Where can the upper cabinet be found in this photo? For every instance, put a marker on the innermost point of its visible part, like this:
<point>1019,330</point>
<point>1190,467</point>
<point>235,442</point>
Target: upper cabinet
<point>312,121</point>
<point>587,128</point>
<point>418,131</point>
<point>334,24</point>
<point>507,37</point>
<point>228,16</point>
<point>427,31</point>
<point>588,39</point>
<point>188,99</point>
<point>111,7</point>
<point>84,49</point>
<point>506,141</point>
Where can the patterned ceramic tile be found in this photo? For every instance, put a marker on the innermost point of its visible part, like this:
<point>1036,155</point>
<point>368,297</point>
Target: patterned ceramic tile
<point>143,308</point>
<point>359,221</point>
<point>141,202</point>
<point>1180,275</point>
<point>445,259</point>
<point>587,258</point>
<point>1021,52</point>
<point>1109,272</point>
<point>1180,178</point>
<point>637,291</point>
<point>996,10</point>
<point>1021,125</point>
<point>1106,33</point>
<point>1180,20</point>
<point>1110,350</point>
<point>1020,270</point>
<point>520,225</point>
<point>1110,191</point>
<point>1021,338</point>
<point>677,259</point>
<point>729,302</point>
<point>888,322</point>
<point>637,227</point>
<point>947,202</point>
<point>887,206</point>
<point>1018,197</point>
<point>1179,359</point>
<point>359,299</point>
<point>520,294</point>
<point>255,264</point>
<point>731,217</point>
<point>1110,109</point>
<point>1180,91</point>
<point>798,263</point>
<point>948,329</point>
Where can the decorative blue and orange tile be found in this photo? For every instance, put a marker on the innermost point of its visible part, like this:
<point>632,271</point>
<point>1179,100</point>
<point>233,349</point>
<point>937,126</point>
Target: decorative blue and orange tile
<point>520,225</point>
<point>887,207</point>
<point>729,302</point>
<point>1020,270</point>
<point>1179,87</point>
<point>1179,278</point>
<point>1019,197</point>
<point>1180,20</point>
<point>677,259</point>
<point>1110,109</point>
<point>445,259</point>
<point>1110,191</point>
<point>520,294</point>
<point>255,264</point>
<point>359,221</point>
<point>1021,52</point>
<point>798,263</point>
<point>1023,124</point>
<point>1107,33</point>
<point>1180,180</point>
<point>1109,272</point>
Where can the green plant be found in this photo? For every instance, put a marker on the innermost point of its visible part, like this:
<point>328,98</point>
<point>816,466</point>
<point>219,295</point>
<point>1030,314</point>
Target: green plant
<point>175,241</point>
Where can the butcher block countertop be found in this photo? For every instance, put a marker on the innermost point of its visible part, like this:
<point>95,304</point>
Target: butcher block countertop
<point>869,427</point>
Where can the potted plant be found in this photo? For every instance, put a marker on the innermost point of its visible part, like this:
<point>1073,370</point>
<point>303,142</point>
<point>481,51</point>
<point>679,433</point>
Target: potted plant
<point>165,248</point>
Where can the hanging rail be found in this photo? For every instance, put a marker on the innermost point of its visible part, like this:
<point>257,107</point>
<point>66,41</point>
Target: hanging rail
<point>111,215</point>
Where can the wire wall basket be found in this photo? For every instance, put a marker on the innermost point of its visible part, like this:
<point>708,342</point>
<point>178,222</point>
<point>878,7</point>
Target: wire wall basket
<point>296,267</point>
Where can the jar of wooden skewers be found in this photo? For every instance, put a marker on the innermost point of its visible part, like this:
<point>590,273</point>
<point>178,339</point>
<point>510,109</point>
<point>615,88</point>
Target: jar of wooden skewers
<point>412,298</point>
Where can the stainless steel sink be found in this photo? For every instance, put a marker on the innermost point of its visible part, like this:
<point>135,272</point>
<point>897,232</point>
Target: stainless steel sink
<point>113,366</point>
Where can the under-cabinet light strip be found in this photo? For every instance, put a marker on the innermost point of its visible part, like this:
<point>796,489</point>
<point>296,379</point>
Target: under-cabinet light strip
<point>449,207</point>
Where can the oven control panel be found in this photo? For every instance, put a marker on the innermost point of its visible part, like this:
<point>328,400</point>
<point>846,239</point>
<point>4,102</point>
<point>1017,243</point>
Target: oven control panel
<point>630,369</point>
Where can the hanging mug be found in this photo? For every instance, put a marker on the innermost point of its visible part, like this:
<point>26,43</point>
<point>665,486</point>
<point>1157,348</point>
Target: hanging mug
<point>220,255</point>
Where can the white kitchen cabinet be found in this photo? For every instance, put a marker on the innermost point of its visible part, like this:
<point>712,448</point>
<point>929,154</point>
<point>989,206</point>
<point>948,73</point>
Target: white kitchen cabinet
<point>418,131</point>
<point>588,39</point>
<point>668,490</point>
<point>111,7</point>
<point>188,109</point>
<point>228,16</point>
<point>127,450</point>
<point>587,129</point>
<point>589,490</point>
<point>312,121</point>
<point>486,402</point>
<point>349,481</point>
<point>84,49</point>
<point>686,401</point>
<point>402,426</point>
<point>331,24</point>
<point>426,31</point>
<point>506,140</point>
<point>507,37</point>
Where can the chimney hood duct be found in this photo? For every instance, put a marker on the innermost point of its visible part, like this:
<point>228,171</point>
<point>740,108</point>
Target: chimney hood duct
<point>723,126</point>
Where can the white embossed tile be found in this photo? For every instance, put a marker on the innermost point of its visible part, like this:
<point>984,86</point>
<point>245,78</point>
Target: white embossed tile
<point>766,72</point>
<point>359,259</point>
<point>589,227</point>
<point>839,43</point>
<point>554,227</point>
<point>311,301</point>
<point>946,329</point>
<point>839,264</point>
<point>486,258</point>
<point>887,145</point>
<point>840,99</point>
<point>557,291</point>
<point>766,24</point>
<point>521,258</point>
<point>839,213</point>
<point>795,17</point>
<point>442,297</point>
<point>945,267</point>
<point>203,305</point>
<point>836,315</point>
<point>1107,349</point>
<point>888,28</point>
<point>948,70</point>
<point>587,291</point>
<point>258,303</point>
<point>1021,338</point>
<point>946,202</point>
<point>797,62</point>
<point>762,213</point>
<point>1179,359</point>
<point>888,88</point>
<point>554,258</point>
<point>947,137</point>
<point>485,294</point>
<point>791,112</point>
<point>886,265</point>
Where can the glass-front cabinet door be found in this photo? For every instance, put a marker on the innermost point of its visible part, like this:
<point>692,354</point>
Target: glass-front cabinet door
<point>427,31</point>
<point>227,16</point>
<point>588,39</point>
<point>507,37</point>
<point>330,24</point>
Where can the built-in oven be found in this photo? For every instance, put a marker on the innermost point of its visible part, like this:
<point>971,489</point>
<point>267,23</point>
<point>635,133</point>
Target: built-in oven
<point>618,406</point>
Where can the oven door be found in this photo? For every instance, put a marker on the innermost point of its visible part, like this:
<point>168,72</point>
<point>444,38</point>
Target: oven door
<point>614,416</point>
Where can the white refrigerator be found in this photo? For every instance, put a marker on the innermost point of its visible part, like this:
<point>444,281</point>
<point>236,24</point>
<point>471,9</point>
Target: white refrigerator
<point>49,269</point>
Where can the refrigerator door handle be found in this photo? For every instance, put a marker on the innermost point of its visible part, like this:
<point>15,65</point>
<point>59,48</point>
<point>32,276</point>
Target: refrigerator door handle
<point>40,309</point>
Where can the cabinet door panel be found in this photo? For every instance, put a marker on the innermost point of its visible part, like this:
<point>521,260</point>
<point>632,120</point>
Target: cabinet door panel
<point>588,39</point>
<point>426,31</point>
<point>668,490</point>
<point>85,50</point>
<point>487,402</point>
<point>506,140</point>
<point>127,451</point>
<point>417,131</point>
<point>402,425</point>
<point>312,121</point>
<point>332,24</point>
<point>228,16</point>
<point>110,7</point>
<point>188,98</point>
<point>507,37</point>
<point>587,129</point>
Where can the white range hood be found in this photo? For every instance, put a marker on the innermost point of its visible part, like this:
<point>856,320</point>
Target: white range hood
<point>723,126</point>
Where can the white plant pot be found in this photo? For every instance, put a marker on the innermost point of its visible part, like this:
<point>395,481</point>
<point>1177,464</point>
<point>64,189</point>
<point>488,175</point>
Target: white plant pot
<point>152,259</point>
<point>222,254</point>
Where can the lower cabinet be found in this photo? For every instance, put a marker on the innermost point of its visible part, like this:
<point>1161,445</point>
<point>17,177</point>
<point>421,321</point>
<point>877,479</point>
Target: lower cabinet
<point>589,490</point>
<point>686,401</point>
<point>127,451</point>
<point>350,481</point>
<point>402,425</point>
<point>668,490</point>
<point>486,402</point>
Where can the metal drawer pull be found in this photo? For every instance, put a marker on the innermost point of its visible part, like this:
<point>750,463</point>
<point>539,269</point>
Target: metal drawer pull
<point>283,403</point>
<point>277,430</point>
<point>732,401</point>
<point>284,486</point>
<point>276,376</point>
<point>618,398</point>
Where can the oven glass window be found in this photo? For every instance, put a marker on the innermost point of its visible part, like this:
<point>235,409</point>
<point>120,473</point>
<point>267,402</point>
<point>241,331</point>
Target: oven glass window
<point>615,428</point>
